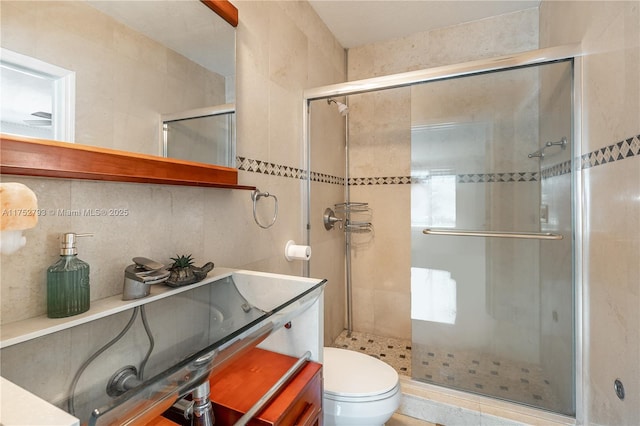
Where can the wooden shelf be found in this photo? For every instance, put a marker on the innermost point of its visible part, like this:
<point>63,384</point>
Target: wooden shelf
<point>44,158</point>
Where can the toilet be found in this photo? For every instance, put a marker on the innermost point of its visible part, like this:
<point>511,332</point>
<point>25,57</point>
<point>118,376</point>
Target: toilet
<point>358,389</point>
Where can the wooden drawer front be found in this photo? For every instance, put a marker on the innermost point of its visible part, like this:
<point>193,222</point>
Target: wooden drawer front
<point>161,421</point>
<point>305,409</point>
<point>242,383</point>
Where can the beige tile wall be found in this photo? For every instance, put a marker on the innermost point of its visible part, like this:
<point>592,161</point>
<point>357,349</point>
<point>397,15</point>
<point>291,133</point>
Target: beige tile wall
<point>301,53</point>
<point>380,145</point>
<point>610,38</point>
<point>282,48</point>
<point>486,38</point>
<point>327,130</point>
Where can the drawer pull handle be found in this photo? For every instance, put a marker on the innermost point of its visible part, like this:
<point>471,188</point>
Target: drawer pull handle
<point>307,415</point>
<point>264,400</point>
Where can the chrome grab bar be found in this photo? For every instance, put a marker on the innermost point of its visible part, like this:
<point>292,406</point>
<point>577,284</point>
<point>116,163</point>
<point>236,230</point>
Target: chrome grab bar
<point>562,143</point>
<point>267,397</point>
<point>494,234</point>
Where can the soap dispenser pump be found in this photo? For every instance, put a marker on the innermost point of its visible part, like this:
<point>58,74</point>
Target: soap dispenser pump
<point>68,280</point>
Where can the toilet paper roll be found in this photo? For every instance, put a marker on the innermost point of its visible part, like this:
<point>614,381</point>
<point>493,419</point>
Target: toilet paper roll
<point>296,252</point>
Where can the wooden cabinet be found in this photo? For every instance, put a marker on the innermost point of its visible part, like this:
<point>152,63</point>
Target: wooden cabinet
<point>161,421</point>
<point>236,388</point>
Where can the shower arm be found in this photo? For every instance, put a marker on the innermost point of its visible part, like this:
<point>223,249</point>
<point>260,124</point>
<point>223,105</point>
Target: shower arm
<point>343,109</point>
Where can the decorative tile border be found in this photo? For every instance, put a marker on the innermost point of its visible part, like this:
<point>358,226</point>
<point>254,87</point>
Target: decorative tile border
<point>498,177</point>
<point>556,170</point>
<point>264,167</point>
<point>272,169</point>
<point>621,150</point>
<point>618,151</point>
<point>462,178</point>
<point>380,180</point>
<point>324,178</point>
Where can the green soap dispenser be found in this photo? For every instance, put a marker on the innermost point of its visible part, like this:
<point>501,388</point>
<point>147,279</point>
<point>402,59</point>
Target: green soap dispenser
<point>68,281</point>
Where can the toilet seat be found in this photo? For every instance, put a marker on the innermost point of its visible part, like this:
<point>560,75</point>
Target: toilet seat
<point>372,398</point>
<point>350,375</point>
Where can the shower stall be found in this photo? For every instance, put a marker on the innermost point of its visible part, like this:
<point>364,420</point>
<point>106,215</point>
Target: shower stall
<point>470,262</point>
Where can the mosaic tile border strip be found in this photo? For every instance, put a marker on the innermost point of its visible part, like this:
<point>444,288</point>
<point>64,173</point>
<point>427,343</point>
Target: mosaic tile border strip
<point>380,180</point>
<point>498,177</point>
<point>621,150</point>
<point>267,168</point>
<point>325,178</point>
<point>462,178</point>
<point>273,169</point>
<point>556,170</point>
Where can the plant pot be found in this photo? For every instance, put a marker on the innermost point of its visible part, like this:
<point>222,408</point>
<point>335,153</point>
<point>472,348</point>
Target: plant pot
<point>188,275</point>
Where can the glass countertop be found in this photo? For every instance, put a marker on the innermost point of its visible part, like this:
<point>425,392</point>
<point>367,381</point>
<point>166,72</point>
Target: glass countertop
<point>222,320</point>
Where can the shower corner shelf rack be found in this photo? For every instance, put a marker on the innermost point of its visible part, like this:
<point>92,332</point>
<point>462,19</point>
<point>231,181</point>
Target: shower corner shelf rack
<point>354,208</point>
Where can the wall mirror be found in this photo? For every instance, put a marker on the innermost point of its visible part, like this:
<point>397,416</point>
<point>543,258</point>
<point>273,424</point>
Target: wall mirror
<point>203,134</point>
<point>133,61</point>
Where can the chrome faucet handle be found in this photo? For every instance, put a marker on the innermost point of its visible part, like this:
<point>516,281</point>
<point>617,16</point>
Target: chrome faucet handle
<point>148,264</point>
<point>329,218</point>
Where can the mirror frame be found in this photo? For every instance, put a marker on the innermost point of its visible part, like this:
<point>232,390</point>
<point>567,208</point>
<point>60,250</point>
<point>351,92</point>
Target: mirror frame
<point>224,9</point>
<point>46,158</point>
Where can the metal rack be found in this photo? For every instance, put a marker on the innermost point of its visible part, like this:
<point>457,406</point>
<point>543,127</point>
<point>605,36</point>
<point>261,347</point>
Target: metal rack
<point>362,212</point>
<point>354,218</point>
<point>352,207</point>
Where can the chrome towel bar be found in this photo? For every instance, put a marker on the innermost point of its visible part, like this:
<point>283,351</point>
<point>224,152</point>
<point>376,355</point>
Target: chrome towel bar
<point>494,234</point>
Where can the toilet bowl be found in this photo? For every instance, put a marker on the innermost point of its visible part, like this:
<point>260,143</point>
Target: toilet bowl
<point>358,389</point>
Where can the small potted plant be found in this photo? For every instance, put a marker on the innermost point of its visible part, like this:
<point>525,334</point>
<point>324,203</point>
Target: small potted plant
<point>183,272</point>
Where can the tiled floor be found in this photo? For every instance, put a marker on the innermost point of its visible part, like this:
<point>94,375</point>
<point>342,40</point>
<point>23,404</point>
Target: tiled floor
<point>465,370</point>
<point>395,352</point>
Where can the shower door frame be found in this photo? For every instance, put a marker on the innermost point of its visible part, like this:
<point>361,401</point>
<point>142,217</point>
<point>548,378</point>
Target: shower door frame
<point>483,66</point>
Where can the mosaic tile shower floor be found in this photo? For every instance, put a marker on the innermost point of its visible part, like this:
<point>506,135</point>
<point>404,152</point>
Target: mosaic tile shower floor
<point>476,372</point>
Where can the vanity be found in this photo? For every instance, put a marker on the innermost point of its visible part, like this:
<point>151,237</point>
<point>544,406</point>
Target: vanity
<point>240,331</point>
<point>245,380</point>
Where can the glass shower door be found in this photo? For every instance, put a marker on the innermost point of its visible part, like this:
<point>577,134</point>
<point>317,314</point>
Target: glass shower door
<point>491,245</point>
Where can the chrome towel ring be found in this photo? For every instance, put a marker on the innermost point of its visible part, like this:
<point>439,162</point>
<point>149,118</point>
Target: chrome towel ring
<point>255,196</point>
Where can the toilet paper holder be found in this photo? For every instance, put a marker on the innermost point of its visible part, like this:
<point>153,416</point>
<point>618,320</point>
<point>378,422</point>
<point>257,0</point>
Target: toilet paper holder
<point>292,251</point>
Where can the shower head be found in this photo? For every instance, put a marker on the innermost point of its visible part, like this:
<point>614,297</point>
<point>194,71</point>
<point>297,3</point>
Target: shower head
<point>342,108</point>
